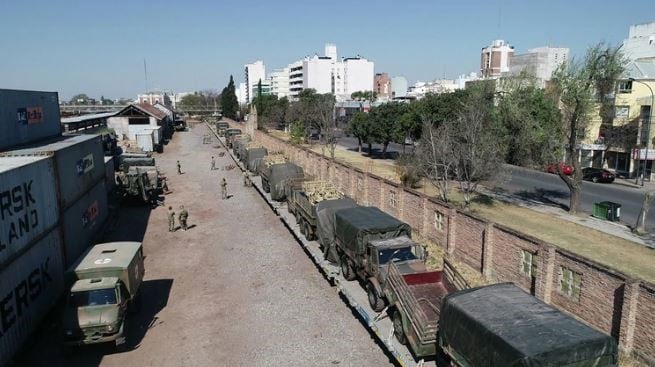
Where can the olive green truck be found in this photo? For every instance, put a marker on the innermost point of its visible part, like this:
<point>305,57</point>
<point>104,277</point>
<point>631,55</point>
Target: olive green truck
<point>106,284</point>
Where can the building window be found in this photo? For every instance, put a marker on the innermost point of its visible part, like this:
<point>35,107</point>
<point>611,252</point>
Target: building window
<point>625,86</point>
<point>528,263</point>
<point>569,283</point>
<point>138,121</point>
<point>438,220</point>
<point>622,112</point>
<point>392,199</point>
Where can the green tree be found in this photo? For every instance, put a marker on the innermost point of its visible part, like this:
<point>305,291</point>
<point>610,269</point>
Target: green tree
<point>367,95</point>
<point>229,102</point>
<point>192,101</point>
<point>530,122</point>
<point>580,85</point>
<point>79,99</point>
<point>386,119</point>
<point>361,128</point>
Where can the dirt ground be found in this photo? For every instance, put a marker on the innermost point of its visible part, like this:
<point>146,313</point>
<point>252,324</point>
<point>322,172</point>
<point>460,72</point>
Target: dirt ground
<point>234,290</point>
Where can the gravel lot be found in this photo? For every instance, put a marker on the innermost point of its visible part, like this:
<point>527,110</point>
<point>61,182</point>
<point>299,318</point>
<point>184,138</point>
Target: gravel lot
<point>234,290</point>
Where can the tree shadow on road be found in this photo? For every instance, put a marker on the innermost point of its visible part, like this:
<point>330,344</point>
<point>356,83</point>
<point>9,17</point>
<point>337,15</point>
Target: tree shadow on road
<point>543,196</point>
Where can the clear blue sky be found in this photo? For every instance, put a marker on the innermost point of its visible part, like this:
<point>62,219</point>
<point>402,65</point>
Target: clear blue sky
<point>98,47</point>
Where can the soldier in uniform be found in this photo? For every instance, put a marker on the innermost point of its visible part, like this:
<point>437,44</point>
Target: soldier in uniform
<point>171,219</point>
<point>223,189</point>
<point>179,168</point>
<point>164,185</point>
<point>245,178</point>
<point>184,215</point>
<point>213,163</point>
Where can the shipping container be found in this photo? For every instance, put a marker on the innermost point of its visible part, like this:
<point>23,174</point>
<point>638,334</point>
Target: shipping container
<point>27,117</point>
<point>79,163</point>
<point>145,142</point>
<point>31,285</point>
<point>82,221</point>
<point>110,174</point>
<point>28,203</point>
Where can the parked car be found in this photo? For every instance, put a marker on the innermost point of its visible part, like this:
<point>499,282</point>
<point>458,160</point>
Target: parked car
<point>566,169</point>
<point>597,175</point>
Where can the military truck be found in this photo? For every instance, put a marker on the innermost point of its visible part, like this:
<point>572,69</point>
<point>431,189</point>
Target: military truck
<point>221,127</point>
<point>105,286</point>
<point>414,298</point>
<point>144,182</point>
<point>501,325</point>
<point>230,135</point>
<point>275,175</point>
<point>238,142</point>
<point>325,224</point>
<point>253,157</point>
<point>367,241</point>
<point>302,198</point>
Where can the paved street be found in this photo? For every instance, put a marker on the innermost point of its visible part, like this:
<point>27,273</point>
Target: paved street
<point>234,290</point>
<point>351,144</point>
<point>549,188</point>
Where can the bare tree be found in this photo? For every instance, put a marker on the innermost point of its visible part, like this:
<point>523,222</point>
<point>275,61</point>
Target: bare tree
<point>478,156</point>
<point>435,156</point>
<point>640,226</point>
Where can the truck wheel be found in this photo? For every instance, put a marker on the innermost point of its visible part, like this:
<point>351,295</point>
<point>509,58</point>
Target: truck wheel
<point>377,303</point>
<point>310,231</point>
<point>398,328</point>
<point>329,254</point>
<point>346,269</point>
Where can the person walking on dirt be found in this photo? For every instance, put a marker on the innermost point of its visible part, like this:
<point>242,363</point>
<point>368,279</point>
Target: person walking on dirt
<point>223,189</point>
<point>171,219</point>
<point>179,168</point>
<point>164,185</point>
<point>213,163</point>
<point>184,215</point>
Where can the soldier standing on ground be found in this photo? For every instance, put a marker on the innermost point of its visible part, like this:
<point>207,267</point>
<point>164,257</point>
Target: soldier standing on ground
<point>171,219</point>
<point>213,163</point>
<point>179,168</point>
<point>245,178</point>
<point>164,185</point>
<point>224,189</point>
<point>184,215</point>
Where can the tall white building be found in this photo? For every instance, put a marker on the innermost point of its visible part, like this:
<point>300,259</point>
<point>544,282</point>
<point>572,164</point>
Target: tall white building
<point>359,75</point>
<point>254,73</point>
<point>539,62</point>
<point>398,87</point>
<point>495,59</point>
<point>279,81</point>
<point>640,43</point>
<point>317,74</point>
<point>241,93</point>
<point>296,75</point>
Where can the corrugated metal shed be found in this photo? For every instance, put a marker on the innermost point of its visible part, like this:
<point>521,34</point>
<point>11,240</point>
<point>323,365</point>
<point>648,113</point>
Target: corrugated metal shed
<point>93,116</point>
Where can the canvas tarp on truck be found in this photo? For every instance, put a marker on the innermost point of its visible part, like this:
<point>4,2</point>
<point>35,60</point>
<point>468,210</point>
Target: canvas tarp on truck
<point>280,173</point>
<point>252,154</point>
<point>501,325</point>
<point>356,226</point>
<point>325,219</point>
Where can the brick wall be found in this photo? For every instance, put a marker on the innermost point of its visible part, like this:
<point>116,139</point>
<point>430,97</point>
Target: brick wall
<point>609,300</point>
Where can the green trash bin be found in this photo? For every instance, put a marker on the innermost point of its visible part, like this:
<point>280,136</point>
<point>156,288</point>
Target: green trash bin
<point>601,210</point>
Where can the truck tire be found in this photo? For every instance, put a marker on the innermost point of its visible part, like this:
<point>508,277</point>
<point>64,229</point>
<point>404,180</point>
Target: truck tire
<point>265,186</point>
<point>346,268</point>
<point>312,232</point>
<point>398,327</point>
<point>329,254</point>
<point>301,225</point>
<point>377,303</point>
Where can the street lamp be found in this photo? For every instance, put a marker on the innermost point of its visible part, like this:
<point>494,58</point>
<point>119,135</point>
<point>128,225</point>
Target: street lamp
<point>650,119</point>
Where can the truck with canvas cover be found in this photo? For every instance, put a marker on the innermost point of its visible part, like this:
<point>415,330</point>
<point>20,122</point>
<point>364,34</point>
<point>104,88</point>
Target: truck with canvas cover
<point>367,241</point>
<point>325,224</point>
<point>221,127</point>
<point>302,203</point>
<point>238,142</point>
<point>414,297</point>
<point>230,135</point>
<point>275,176</point>
<point>254,155</point>
<point>242,151</point>
<point>501,325</point>
<point>264,168</point>
<point>105,286</point>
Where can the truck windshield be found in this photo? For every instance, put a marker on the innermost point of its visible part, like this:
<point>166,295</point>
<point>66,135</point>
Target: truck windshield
<point>96,297</point>
<point>397,254</point>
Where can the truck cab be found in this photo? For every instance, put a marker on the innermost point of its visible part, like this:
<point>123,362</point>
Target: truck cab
<point>407,255</point>
<point>106,282</point>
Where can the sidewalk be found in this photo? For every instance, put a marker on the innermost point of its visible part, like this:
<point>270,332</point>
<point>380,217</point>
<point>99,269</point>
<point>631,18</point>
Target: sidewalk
<point>617,229</point>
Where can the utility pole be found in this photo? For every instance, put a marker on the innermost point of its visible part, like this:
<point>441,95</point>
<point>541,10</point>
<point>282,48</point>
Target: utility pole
<point>145,73</point>
<point>649,122</point>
